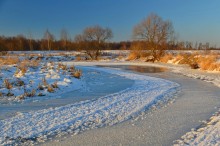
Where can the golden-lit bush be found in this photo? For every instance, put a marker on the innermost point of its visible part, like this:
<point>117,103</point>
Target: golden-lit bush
<point>133,55</point>
<point>208,62</point>
<point>50,89</point>
<point>166,58</point>
<point>77,74</point>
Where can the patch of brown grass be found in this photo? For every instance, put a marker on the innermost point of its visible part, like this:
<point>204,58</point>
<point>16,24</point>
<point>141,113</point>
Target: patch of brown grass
<point>9,60</point>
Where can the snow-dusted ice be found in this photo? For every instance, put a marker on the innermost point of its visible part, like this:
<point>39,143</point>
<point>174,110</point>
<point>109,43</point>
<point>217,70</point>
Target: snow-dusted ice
<point>78,117</point>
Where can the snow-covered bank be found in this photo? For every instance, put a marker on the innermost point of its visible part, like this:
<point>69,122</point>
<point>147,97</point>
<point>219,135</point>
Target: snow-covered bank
<point>108,110</point>
<point>207,135</point>
<point>44,79</point>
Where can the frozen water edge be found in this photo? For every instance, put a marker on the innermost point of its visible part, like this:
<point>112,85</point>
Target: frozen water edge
<point>78,117</point>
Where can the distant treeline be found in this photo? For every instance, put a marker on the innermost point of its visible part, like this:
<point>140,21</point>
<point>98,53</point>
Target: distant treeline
<point>21,43</point>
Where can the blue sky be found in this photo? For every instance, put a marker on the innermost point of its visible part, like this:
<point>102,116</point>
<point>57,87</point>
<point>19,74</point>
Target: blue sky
<point>193,20</point>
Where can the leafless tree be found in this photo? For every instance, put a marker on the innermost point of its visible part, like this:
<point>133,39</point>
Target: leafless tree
<point>30,39</point>
<point>156,32</point>
<point>20,39</point>
<point>93,39</point>
<point>64,38</point>
<point>49,38</point>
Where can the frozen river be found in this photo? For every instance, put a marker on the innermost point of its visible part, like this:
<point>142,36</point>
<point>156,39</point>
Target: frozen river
<point>95,84</point>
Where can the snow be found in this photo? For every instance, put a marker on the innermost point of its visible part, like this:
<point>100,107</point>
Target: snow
<point>33,78</point>
<point>206,135</point>
<point>209,134</point>
<point>78,117</point>
<point>108,110</point>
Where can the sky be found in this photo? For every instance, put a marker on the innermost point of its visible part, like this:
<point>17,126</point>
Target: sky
<point>193,20</point>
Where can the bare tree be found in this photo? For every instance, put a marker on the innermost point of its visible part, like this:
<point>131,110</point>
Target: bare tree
<point>30,39</point>
<point>20,38</point>
<point>49,38</point>
<point>93,39</point>
<point>64,38</point>
<point>156,32</point>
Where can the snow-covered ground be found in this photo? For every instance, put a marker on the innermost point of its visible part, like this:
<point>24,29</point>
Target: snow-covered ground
<point>16,85</point>
<point>108,110</point>
<point>78,117</point>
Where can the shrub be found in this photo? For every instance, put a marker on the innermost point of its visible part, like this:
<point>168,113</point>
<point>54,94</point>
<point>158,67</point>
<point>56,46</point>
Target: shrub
<point>44,81</point>
<point>62,66</point>
<point>19,82</point>
<point>78,58</point>
<point>31,94</point>
<point>133,55</point>
<point>40,87</point>
<point>41,94</point>
<point>50,89</point>
<point>77,74</point>
<point>194,65</point>
<point>55,85</point>
<point>166,58</point>
<point>72,68</point>
<point>208,62</point>
<point>23,69</point>
<point>8,85</point>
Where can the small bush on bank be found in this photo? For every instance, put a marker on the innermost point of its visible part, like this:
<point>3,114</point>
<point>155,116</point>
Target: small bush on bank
<point>77,74</point>
<point>50,89</point>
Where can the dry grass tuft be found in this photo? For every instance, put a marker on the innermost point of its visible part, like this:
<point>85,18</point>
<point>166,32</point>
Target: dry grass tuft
<point>62,66</point>
<point>166,58</point>
<point>78,58</point>
<point>133,55</point>
<point>7,84</point>
<point>19,83</point>
<point>44,81</point>
<point>30,94</point>
<point>208,62</point>
<point>50,89</point>
<point>55,85</point>
<point>9,60</point>
<point>77,74</point>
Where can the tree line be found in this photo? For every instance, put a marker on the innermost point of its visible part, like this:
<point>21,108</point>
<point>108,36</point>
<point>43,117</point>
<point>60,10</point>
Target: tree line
<point>153,34</point>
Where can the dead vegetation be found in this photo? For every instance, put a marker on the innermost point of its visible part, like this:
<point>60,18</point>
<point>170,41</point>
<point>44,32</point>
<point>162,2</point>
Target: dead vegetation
<point>77,74</point>
<point>195,60</point>
<point>21,71</point>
